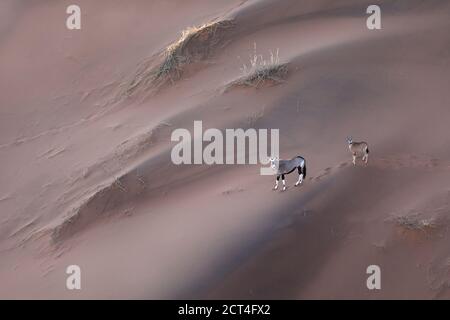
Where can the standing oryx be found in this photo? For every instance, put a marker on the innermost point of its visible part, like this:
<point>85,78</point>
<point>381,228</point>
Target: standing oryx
<point>358,150</point>
<point>283,167</point>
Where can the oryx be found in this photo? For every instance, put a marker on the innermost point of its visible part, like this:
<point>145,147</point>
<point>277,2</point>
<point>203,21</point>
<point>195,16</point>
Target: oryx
<point>283,167</point>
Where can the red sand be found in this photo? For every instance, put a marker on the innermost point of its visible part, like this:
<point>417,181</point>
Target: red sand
<point>220,231</point>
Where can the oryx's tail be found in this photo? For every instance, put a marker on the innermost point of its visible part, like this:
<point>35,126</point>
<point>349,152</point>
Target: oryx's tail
<point>304,169</point>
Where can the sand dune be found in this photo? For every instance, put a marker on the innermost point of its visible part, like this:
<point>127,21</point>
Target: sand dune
<point>86,118</point>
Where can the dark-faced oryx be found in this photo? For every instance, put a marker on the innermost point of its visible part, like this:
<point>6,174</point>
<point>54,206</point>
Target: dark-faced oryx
<point>283,167</point>
<point>358,150</point>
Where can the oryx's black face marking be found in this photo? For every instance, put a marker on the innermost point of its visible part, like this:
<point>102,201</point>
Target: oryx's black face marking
<point>288,166</point>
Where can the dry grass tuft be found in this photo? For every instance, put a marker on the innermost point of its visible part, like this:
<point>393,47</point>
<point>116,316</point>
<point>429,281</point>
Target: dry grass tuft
<point>194,45</point>
<point>413,222</point>
<point>261,72</point>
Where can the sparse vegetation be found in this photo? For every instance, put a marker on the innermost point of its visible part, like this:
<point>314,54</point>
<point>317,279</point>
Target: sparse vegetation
<point>414,222</point>
<point>195,44</point>
<point>261,72</point>
<point>232,191</point>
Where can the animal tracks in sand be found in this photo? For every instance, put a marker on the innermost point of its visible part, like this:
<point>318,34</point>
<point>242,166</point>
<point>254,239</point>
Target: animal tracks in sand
<point>232,191</point>
<point>411,161</point>
<point>326,172</point>
<point>390,162</point>
<point>395,162</point>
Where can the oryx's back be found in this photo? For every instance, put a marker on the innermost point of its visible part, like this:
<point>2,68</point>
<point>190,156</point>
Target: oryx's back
<point>286,166</point>
<point>359,148</point>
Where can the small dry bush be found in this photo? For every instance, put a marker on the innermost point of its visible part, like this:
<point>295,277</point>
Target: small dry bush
<point>194,45</point>
<point>261,72</point>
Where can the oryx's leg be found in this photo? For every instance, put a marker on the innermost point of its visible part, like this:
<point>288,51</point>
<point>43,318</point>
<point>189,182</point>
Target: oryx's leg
<point>276,183</point>
<point>366,157</point>
<point>354,159</point>
<point>284,182</point>
<point>300,176</point>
